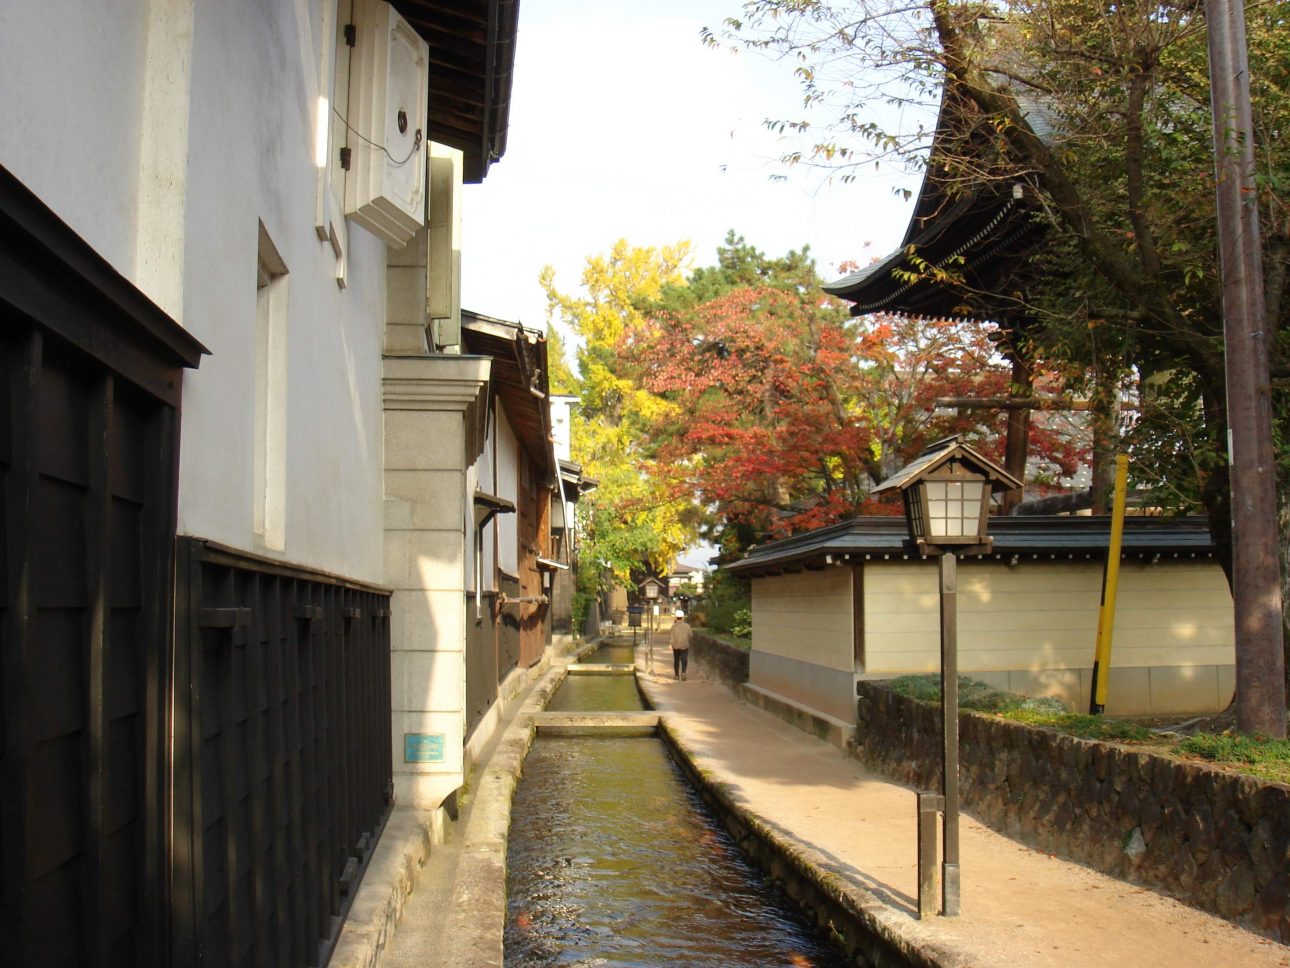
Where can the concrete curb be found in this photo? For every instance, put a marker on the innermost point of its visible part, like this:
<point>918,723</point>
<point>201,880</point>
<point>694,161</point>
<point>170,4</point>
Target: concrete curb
<point>478,917</point>
<point>405,845</point>
<point>818,724</point>
<point>474,928</point>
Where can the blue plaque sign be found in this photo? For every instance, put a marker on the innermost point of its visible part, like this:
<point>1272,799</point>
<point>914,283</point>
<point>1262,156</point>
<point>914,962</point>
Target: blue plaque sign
<point>423,748</point>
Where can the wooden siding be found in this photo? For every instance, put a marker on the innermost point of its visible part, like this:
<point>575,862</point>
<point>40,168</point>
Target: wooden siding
<point>807,617</point>
<point>87,473</point>
<point>1043,615</point>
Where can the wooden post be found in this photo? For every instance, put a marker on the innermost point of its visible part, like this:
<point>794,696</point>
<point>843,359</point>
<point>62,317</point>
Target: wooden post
<point>950,733</point>
<point>930,806</point>
<point>1018,441</point>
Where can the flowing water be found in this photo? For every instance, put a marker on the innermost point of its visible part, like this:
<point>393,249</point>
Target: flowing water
<point>615,860</point>
<point>612,652</point>
<point>595,694</point>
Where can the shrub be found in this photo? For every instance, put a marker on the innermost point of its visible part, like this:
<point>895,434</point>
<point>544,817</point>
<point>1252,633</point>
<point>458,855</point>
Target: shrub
<point>741,626</point>
<point>581,607</point>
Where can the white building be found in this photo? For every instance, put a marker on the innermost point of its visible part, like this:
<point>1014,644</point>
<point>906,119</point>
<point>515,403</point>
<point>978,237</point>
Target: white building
<point>265,198</point>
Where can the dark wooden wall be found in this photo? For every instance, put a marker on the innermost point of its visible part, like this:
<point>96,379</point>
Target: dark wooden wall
<point>90,377</point>
<point>282,755</point>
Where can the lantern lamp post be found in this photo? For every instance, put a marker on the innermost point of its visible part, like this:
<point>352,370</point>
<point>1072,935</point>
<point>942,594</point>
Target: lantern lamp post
<point>946,492</point>
<point>650,588</point>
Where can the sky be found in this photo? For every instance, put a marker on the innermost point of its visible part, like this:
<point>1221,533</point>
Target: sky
<point>624,125</point>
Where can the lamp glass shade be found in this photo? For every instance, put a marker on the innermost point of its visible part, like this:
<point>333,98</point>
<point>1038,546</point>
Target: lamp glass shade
<point>953,510</point>
<point>651,590</point>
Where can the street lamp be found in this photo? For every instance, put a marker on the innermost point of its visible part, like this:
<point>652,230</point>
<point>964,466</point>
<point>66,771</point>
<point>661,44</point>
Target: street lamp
<point>946,492</point>
<point>650,588</point>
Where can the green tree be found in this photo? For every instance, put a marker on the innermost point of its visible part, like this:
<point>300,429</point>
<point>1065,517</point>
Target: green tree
<point>563,380</point>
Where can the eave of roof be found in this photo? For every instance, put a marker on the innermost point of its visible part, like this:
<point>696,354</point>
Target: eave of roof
<point>1047,537</point>
<point>520,377</point>
<point>472,61</point>
<point>975,236</point>
<point>989,228</point>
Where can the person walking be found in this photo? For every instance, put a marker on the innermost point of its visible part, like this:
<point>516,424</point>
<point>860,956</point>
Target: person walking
<point>680,645</point>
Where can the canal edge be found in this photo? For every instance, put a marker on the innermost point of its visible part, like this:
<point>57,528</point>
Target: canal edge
<point>859,920</point>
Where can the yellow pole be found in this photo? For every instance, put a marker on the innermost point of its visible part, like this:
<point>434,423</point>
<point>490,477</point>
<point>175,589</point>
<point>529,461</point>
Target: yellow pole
<point>1110,584</point>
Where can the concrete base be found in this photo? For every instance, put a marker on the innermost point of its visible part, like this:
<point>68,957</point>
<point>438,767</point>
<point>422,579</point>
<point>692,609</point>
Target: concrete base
<point>825,727</point>
<point>563,643</point>
<point>508,695</point>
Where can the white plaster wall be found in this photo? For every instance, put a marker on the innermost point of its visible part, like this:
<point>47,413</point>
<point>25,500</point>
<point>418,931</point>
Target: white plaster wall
<point>806,617</point>
<point>481,477</point>
<point>1043,615</point>
<point>562,425</point>
<point>72,73</point>
<point>231,87</point>
<point>253,97</point>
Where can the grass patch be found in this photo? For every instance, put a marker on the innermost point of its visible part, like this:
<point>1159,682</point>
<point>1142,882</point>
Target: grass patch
<point>1044,711</point>
<point>1257,756</point>
<point>1080,724</point>
<point>1267,759</point>
<point>973,695</point>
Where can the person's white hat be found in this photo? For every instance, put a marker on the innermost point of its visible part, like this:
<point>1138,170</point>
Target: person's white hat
<point>680,613</point>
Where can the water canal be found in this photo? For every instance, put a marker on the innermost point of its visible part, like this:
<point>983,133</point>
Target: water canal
<point>614,860</point>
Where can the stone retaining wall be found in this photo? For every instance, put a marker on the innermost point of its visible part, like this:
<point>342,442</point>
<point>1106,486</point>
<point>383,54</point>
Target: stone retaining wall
<point>1214,840</point>
<point>727,662</point>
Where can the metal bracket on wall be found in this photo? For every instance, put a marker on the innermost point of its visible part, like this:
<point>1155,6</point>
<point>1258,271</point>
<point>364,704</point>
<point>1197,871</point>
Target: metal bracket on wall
<point>223,618</point>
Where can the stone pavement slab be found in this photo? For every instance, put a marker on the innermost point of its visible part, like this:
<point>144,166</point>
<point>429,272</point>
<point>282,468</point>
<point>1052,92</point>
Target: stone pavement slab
<point>1020,907</point>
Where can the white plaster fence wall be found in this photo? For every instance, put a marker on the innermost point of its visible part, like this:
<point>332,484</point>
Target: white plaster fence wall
<point>803,640</point>
<point>1029,628</point>
<point>1032,629</point>
<point>164,132</point>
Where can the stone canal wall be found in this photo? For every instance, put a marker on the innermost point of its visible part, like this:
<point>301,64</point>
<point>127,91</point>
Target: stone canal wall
<point>1214,840</point>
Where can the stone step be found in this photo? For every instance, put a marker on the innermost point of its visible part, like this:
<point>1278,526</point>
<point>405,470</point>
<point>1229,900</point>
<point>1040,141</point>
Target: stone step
<point>602,668</point>
<point>599,722</point>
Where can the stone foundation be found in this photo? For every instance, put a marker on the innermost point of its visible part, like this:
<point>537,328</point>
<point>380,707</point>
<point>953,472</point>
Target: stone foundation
<point>1214,840</point>
<point>728,663</point>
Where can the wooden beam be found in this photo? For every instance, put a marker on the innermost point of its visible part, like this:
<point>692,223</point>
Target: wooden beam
<point>1013,403</point>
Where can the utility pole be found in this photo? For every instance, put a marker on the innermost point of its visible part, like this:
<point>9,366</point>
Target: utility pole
<point>1256,588</point>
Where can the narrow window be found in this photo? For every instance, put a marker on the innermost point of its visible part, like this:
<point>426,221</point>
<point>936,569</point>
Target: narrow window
<point>270,472</point>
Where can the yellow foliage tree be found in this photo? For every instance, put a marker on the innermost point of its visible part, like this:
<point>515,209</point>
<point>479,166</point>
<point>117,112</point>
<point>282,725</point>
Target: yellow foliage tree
<point>632,521</point>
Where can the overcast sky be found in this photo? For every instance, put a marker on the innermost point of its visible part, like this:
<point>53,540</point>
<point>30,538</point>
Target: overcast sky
<point>623,125</point>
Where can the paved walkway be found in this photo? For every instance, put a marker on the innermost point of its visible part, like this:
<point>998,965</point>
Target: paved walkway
<point>1020,907</point>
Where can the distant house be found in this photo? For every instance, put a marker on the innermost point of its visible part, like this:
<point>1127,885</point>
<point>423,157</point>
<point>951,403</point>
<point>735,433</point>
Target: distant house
<point>851,602</point>
<point>518,490</point>
<point>683,574</point>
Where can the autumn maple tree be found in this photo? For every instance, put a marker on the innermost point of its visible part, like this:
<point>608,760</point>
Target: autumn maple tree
<point>783,412</point>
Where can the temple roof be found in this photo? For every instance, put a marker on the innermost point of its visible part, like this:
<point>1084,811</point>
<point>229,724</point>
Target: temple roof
<point>981,233</point>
